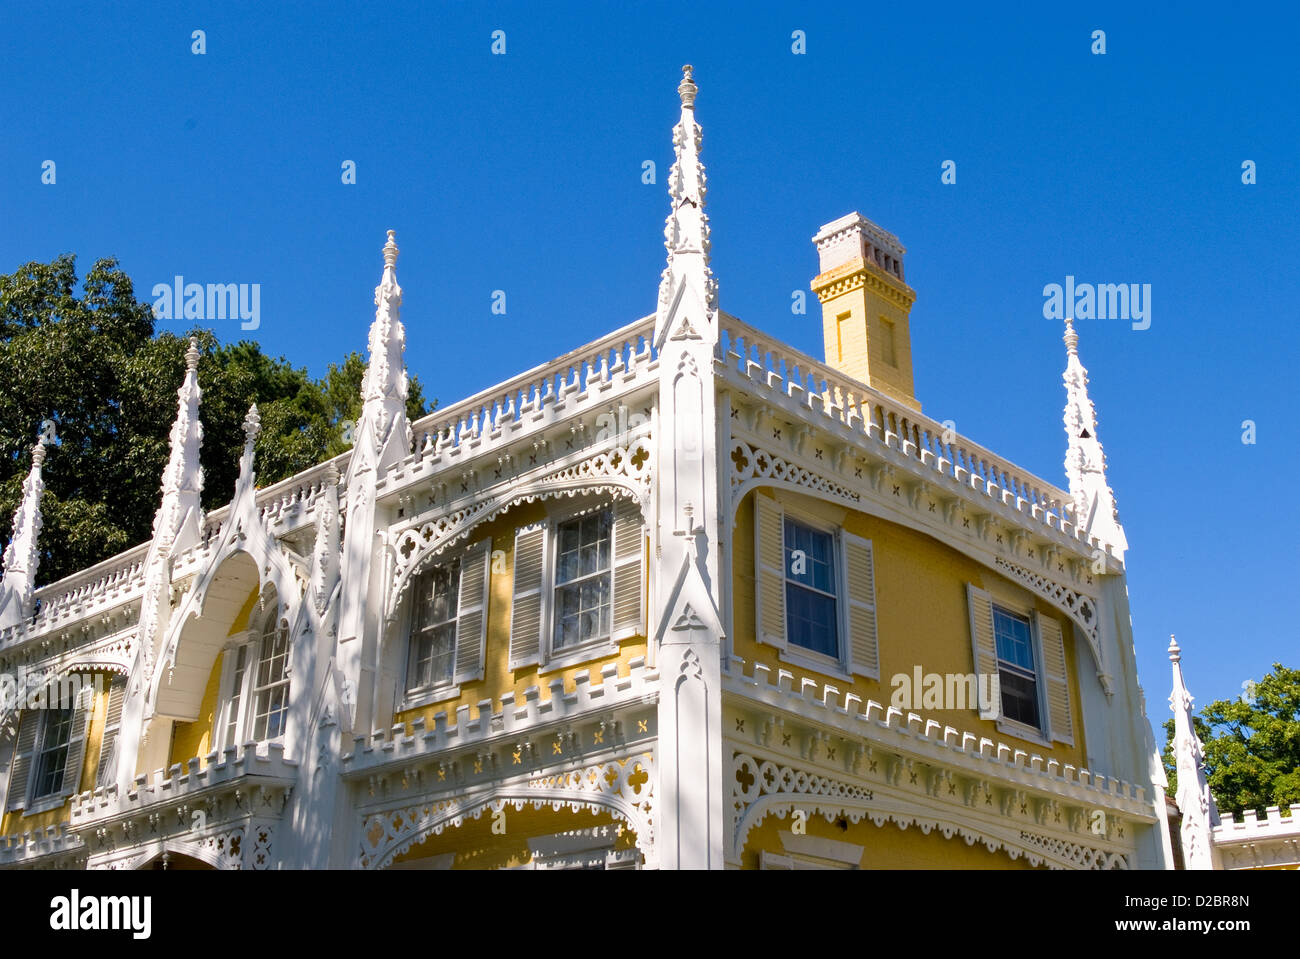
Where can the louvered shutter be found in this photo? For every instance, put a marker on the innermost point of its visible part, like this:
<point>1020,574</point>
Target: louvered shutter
<point>22,767</point>
<point>1052,642</point>
<point>628,540</point>
<point>471,611</point>
<point>860,577</point>
<point>526,606</point>
<point>984,647</point>
<point>106,772</point>
<point>81,714</point>
<point>769,575</point>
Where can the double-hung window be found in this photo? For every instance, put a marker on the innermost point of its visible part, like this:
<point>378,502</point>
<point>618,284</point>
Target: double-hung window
<point>52,754</point>
<point>49,749</point>
<point>578,585</point>
<point>432,657</point>
<point>257,685</point>
<point>583,576</point>
<point>1017,674</point>
<point>446,632</point>
<point>812,618</point>
<point>815,591</point>
<point>1025,650</point>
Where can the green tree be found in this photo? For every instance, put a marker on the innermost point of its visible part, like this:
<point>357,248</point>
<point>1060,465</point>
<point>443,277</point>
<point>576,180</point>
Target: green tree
<point>1252,745</point>
<point>90,362</point>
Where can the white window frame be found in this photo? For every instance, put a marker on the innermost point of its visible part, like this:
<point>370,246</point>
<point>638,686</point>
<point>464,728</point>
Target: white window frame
<point>408,698</point>
<point>1041,734</point>
<point>838,665</point>
<point>551,658</point>
<point>35,803</point>
<point>250,641</point>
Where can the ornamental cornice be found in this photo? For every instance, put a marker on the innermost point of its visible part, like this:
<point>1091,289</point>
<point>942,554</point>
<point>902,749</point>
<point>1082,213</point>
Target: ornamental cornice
<point>237,783</point>
<point>804,458</point>
<point>764,784</point>
<point>522,733</point>
<point>620,470</point>
<point>817,713</point>
<point>622,785</point>
<point>857,273</point>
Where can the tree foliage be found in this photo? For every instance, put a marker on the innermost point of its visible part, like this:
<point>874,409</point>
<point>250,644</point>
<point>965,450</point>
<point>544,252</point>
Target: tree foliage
<point>1252,745</point>
<point>89,360</point>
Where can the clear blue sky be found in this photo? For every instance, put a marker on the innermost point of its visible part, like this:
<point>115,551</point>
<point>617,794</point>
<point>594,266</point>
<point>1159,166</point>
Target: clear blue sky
<point>522,173</point>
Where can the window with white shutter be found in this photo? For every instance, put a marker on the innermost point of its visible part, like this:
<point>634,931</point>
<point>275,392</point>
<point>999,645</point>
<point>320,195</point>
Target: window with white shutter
<point>20,770</point>
<point>983,645</point>
<point>629,549</point>
<point>106,771</point>
<point>1052,642</point>
<point>526,604</point>
<point>471,612</point>
<point>860,584</point>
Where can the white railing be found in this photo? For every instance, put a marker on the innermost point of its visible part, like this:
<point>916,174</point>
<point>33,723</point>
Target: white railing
<point>612,359</point>
<point>770,364</point>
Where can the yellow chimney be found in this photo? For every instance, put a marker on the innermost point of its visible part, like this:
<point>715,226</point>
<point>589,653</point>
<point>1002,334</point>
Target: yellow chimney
<point>865,305</point>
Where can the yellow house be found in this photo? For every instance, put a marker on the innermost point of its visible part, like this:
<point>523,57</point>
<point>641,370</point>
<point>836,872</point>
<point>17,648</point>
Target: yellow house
<point>683,597</point>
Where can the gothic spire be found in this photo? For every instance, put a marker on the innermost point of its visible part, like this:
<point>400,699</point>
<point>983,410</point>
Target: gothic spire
<point>21,557</point>
<point>179,520</point>
<point>1195,802</point>
<point>1085,462</point>
<point>383,435</point>
<point>686,232</point>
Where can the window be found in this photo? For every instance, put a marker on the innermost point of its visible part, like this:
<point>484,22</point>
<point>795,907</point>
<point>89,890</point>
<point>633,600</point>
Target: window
<point>815,591</point>
<point>810,588</point>
<point>50,746</point>
<point>582,580</point>
<point>1017,674</point>
<point>1025,651</point>
<point>106,771</point>
<point>257,697</point>
<point>431,658</point>
<point>578,586</point>
<point>445,635</point>
<point>271,683</point>
<point>52,754</point>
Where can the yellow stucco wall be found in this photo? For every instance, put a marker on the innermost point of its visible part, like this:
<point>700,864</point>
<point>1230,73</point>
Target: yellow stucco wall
<point>498,679</point>
<point>884,847</point>
<point>922,617</point>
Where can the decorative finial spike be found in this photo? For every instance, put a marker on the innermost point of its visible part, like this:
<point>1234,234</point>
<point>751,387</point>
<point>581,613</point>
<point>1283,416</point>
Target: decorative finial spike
<point>1175,652</point>
<point>1071,338</point>
<point>192,355</point>
<point>687,88</point>
<point>390,250</point>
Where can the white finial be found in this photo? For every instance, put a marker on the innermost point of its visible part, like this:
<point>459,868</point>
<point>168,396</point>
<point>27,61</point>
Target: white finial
<point>1195,801</point>
<point>1095,511</point>
<point>383,431</point>
<point>686,231</point>
<point>687,88</point>
<point>22,558</point>
<point>192,355</point>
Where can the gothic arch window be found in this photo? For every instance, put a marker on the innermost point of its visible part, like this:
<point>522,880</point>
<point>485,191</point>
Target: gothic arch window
<point>256,680</point>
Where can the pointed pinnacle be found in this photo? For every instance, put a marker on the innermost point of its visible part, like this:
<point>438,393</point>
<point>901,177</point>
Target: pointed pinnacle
<point>390,250</point>
<point>1175,653</point>
<point>192,355</point>
<point>1071,338</point>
